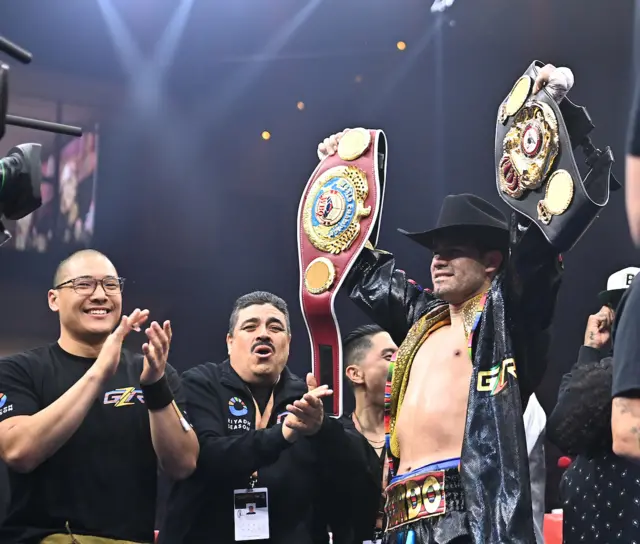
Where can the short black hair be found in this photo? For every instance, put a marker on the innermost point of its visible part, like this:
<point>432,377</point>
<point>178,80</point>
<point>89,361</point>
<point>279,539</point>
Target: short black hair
<point>357,342</point>
<point>258,298</point>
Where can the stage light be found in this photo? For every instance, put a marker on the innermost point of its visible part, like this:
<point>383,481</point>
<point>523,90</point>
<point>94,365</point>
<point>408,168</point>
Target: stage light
<point>358,78</point>
<point>401,46</point>
<point>440,6</point>
<point>266,135</point>
<point>300,105</point>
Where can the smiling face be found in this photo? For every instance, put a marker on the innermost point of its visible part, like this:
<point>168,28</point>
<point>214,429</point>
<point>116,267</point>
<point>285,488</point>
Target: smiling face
<point>85,315</point>
<point>459,271</point>
<point>259,344</point>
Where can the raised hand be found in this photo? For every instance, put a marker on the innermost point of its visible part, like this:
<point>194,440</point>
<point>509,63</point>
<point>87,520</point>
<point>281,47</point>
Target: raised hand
<point>109,358</point>
<point>557,81</point>
<point>329,146</point>
<point>306,415</point>
<point>598,330</point>
<point>156,352</point>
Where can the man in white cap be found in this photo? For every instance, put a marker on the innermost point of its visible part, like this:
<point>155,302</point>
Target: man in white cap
<point>599,487</point>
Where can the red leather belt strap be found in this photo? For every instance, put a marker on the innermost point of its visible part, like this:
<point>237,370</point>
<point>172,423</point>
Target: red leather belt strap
<point>339,212</point>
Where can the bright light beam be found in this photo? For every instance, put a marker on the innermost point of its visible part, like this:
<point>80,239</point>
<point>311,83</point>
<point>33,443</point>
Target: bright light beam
<point>241,82</point>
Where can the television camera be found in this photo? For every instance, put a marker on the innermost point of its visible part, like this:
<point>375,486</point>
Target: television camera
<point>21,169</point>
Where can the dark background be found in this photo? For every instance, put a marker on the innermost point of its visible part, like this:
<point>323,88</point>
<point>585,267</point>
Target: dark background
<point>195,209</point>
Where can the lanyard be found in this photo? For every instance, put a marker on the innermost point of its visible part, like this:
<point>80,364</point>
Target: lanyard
<point>262,420</point>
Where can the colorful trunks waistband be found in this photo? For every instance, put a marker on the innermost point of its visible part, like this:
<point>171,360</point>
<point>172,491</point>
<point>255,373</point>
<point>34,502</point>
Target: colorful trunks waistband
<point>423,493</point>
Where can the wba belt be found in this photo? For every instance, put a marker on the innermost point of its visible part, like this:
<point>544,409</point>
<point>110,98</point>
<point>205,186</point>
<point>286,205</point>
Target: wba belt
<point>536,171</point>
<point>423,494</point>
<point>339,212</point>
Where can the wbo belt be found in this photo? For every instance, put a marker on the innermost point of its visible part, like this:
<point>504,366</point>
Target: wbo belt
<point>339,213</point>
<point>423,494</point>
<point>536,170</point>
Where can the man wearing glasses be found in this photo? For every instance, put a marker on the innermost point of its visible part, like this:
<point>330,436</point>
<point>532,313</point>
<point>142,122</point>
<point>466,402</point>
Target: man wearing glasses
<point>84,422</point>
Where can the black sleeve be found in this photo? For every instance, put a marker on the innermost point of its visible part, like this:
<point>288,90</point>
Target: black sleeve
<point>581,420</point>
<point>341,450</point>
<point>226,457</point>
<point>351,512</point>
<point>17,388</point>
<point>534,274</point>
<point>634,125</point>
<point>626,349</point>
<point>385,293</point>
<point>586,355</point>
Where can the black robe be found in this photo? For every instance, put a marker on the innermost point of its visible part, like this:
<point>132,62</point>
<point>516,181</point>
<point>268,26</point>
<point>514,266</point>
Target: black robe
<point>515,325</point>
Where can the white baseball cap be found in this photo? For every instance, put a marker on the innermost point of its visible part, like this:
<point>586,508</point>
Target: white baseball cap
<point>617,284</point>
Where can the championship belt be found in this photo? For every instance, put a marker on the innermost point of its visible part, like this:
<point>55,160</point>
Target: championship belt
<point>536,171</point>
<point>339,213</point>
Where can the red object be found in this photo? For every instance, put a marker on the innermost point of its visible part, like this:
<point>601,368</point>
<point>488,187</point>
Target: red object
<point>564,462</point>
<point>155,537</point>
<point>553,528</point>
<point>318,309</point>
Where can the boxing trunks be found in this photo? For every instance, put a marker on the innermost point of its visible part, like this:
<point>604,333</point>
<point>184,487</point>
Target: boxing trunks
<point>426,506</point>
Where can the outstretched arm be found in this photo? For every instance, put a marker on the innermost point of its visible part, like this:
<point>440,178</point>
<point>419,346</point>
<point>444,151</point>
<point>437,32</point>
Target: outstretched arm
<point>534,269</point>
<point>374,283</point>
<point>31,433</point>
<point>581,419</point>
<point>386,295</point>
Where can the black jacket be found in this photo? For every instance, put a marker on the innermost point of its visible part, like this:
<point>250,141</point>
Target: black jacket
<point>515,325</point>
<point>200,509</point>
<point>353,513</point>
<point>580,425</point>
<point>581,420</point>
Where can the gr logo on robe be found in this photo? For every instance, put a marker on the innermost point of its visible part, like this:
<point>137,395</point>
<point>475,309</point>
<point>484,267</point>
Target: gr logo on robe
<point>125,396</point>
<point>495,380</point>
<point>237,407</point>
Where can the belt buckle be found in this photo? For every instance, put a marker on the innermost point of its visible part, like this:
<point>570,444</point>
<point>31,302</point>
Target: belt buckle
<point>416,498</point>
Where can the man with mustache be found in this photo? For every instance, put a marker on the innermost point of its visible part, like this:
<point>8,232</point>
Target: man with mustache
<point>455,428</point>
<point>85,423</point>
<point>264,439</point>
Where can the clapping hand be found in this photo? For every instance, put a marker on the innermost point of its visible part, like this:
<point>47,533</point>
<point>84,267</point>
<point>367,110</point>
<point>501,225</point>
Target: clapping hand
<point>307,414</point>
<point>156,352</point>
<point>109,357</point>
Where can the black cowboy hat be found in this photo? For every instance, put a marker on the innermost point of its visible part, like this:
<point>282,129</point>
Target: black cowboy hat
<point>466,215</point>
<point>617,284</point>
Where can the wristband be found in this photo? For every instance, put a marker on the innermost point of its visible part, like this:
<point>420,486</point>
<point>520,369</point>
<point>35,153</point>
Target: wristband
<point>157,395</point>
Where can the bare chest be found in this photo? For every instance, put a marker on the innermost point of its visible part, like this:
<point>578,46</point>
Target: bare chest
<point>442,363</point>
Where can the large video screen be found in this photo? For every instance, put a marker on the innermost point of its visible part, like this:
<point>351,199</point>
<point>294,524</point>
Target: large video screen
<point>69,179</point>
<point>77,189</point>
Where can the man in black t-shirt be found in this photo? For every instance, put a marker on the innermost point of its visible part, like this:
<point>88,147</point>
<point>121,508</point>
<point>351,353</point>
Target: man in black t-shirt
<point>84,423</point>
<point>625,410</point>
<point>367,351</point>
<point>264,441</point>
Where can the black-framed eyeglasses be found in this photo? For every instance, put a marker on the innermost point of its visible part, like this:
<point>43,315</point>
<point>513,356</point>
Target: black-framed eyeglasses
<point>87,285</point>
